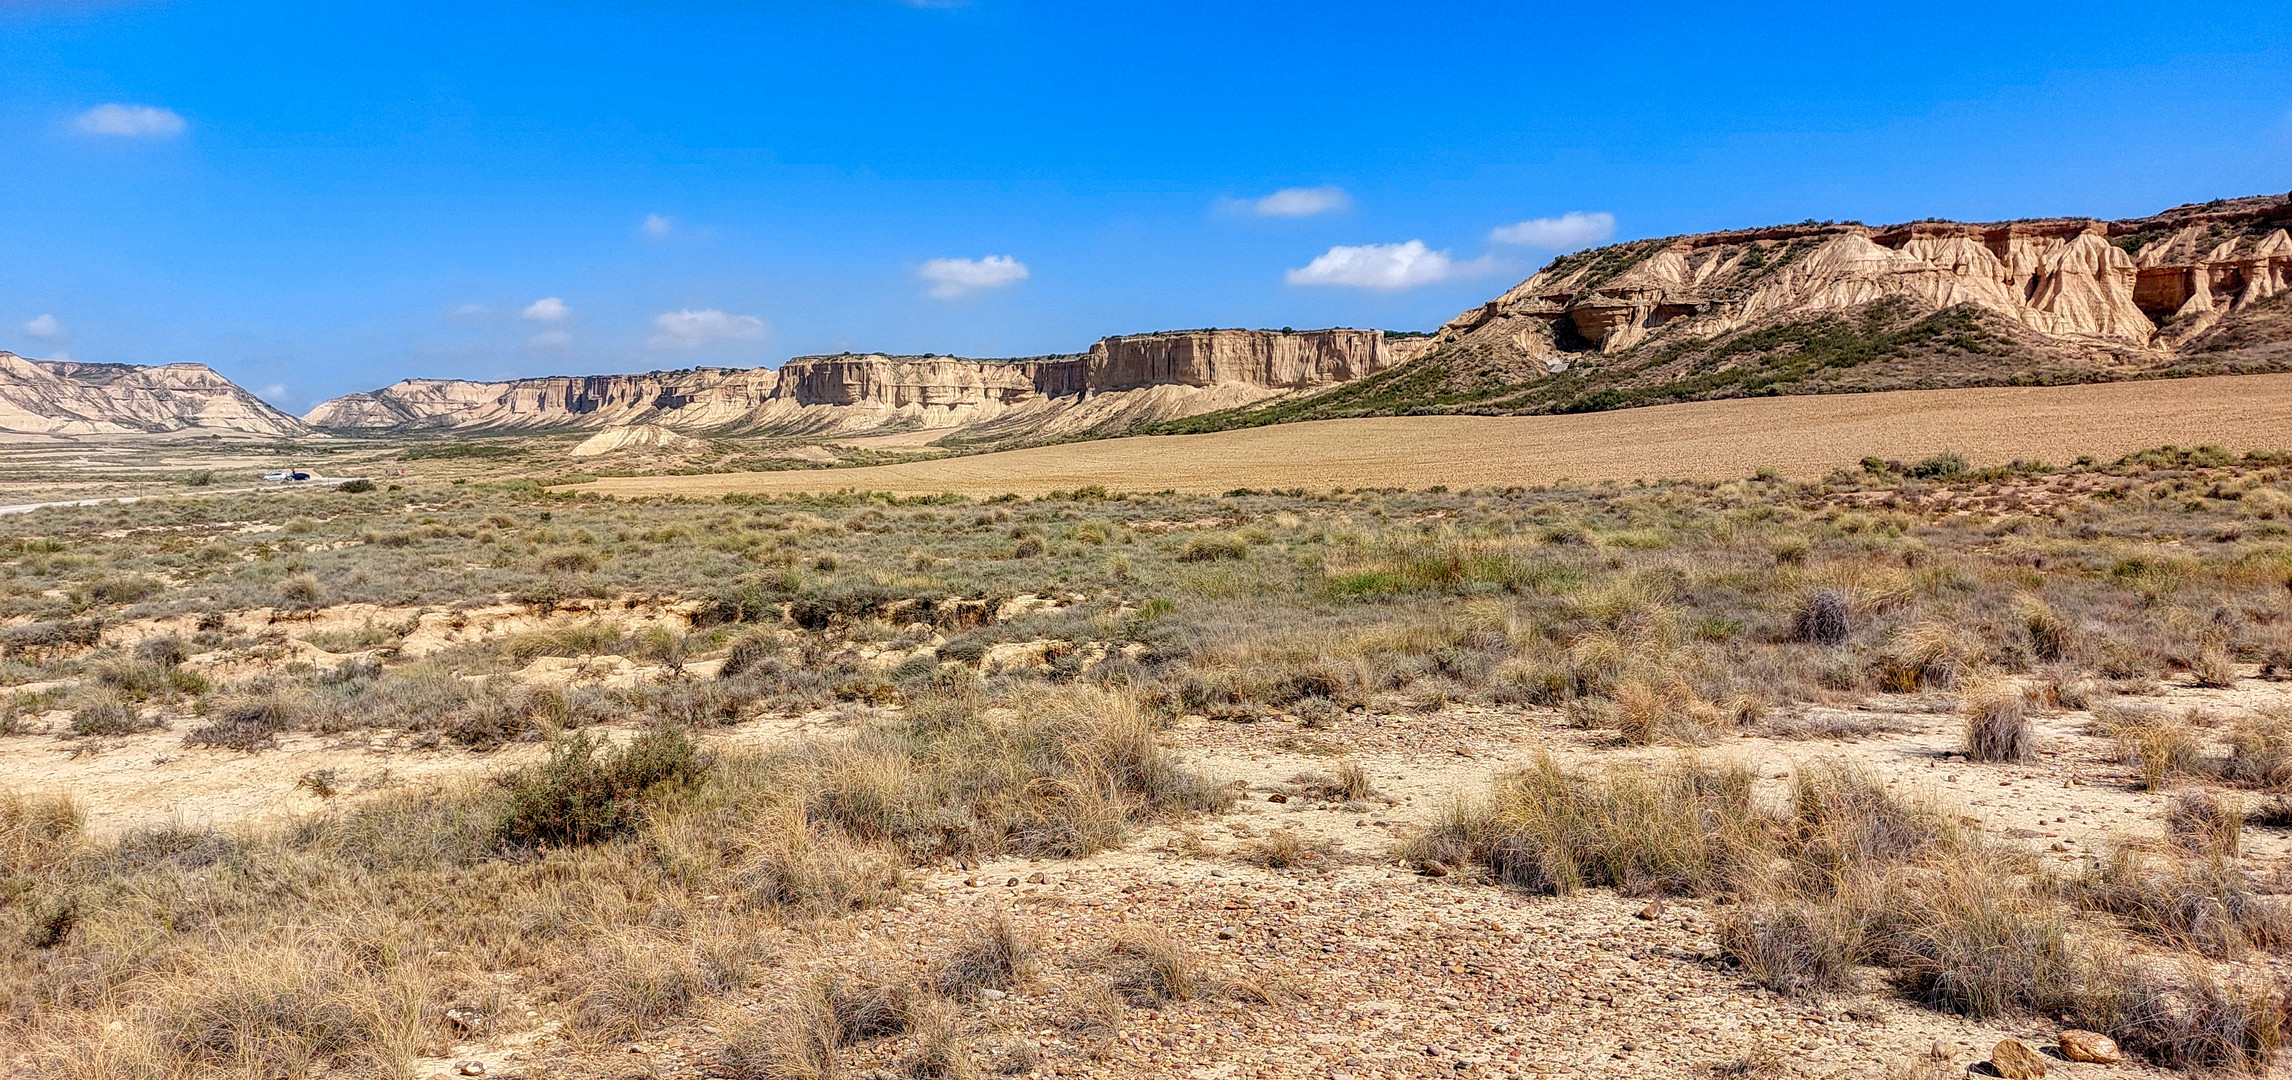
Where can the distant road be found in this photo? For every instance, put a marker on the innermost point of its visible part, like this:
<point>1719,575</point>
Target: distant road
<point>1709,440</point>
<point>26,508</point>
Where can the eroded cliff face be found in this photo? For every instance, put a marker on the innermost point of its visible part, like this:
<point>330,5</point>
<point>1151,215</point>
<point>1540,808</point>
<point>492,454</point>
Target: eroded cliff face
<point>856,393</point>
<point>61,397</point>
<point>1256,358</point>
<point>2149,283</point>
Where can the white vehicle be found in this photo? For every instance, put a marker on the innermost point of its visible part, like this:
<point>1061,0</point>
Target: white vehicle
<point>285,476</point>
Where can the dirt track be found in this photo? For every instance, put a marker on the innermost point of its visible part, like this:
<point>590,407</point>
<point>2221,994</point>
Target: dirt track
<point>1799,436</point>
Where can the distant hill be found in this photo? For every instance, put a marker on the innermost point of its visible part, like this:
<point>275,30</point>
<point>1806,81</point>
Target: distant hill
<point>1119,383</point>
<point>1825,307</point>
<point>62,397</point>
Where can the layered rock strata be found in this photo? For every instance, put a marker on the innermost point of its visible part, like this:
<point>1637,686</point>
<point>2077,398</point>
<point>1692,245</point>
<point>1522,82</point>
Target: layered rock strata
<point>1146,376</point>
<point>2147,283</point>
<point>62,397</point>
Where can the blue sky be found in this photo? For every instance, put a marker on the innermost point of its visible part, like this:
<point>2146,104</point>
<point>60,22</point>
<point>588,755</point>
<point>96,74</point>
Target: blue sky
<point>316,198</point>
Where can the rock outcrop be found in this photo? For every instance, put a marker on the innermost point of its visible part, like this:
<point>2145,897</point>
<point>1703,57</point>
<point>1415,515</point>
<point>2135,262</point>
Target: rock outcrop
<point>1120,381</point>
<point>2150,283</point>
<point>1843,307</point>
<point>63,397</point>
<point>633,437</point>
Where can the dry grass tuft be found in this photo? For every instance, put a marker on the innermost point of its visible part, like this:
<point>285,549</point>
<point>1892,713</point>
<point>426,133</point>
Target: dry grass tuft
<point>2162,746</point>
<point>2205,823</point>
<point>2204,905</point>
<point>1149,969</point>
<point>797,1041</point>
<point>1997,724</point>
<point>994,953</point>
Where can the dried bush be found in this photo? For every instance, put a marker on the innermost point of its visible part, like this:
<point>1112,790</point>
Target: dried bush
<point>1997,725</point>
<point>2205,905</point>
<point>1822,619</point>
<point>2205,823</point>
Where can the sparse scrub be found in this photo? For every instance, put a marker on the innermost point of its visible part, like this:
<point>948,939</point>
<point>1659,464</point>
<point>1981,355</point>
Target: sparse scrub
<point>628,889</point>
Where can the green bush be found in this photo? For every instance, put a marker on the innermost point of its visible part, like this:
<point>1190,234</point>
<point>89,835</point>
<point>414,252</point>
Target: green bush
<point>586,793</point>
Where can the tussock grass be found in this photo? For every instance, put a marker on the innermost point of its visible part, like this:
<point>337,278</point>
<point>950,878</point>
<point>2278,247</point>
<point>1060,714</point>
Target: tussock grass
<point>1997,724</point>
<point>994,954</point>
<point>1847,874</point>
<point>1149,969</point>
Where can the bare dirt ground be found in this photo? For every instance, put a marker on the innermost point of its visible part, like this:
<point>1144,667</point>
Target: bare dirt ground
<point>1796,436</point>
<point>1355,966</point>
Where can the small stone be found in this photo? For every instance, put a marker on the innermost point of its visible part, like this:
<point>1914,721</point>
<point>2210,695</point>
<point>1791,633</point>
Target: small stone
<point>640,1048</point>
<point>2014,1060</point>
<point>1277,797</point>
<point>1037,878</point>
<point>1434,869</point>
<point>2077,1045</point>
<point>472,1067</point>
<point>992,994</point>
<point>1011,884</point>
<point>1653,909</point>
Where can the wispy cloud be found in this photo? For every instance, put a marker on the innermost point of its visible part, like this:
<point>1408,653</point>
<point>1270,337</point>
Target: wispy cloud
<point>951,278</point>
<point>690,328</point>
<point>658,226</point>
<point>1293,202</point>
<point>45,327</point>
<point>546,309</point>
<point>550,341</point>
<point>1568,232</point>
<point>131,121</point>
<point>1385,267</point>
<point>469,312</point>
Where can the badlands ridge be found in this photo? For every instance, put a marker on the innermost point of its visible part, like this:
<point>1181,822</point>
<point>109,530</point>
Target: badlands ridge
<point>1120,381</point>
<point>1819,307</point>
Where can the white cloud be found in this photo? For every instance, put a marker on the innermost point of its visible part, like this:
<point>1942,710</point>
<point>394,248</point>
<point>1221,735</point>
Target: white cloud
<point>468,312</point>
<point>45,327</point>
<point>550,341</point>
<point>689,329</point>
<point>1386,267</point>
<point>274,392</point>
<point>1568,232</point>
<point>134,121</point>
<point>1295,202</point>
<point>546,309</point>
<point>658,226</point>
<point>951,278</point>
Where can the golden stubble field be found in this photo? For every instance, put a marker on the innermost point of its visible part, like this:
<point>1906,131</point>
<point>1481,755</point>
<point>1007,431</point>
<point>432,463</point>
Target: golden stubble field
<point>1796,436</point>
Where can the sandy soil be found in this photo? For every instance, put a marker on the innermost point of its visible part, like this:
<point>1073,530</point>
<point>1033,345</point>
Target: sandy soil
<point>1798,436</point>
<point>1378,971</point>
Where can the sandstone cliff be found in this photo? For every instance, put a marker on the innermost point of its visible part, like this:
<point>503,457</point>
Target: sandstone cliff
<point>1842,307</point>
<point>1120,381</point>
<point>62,397</point>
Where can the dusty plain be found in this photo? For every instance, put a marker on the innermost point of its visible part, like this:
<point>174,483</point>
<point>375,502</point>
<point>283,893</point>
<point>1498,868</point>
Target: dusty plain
<point>1796,436</point>
<point>1797,771</point>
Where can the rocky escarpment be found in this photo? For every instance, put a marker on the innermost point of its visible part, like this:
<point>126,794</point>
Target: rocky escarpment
<point>1119,381</point>
<point>62,397</point>
<point>1831,307</point>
